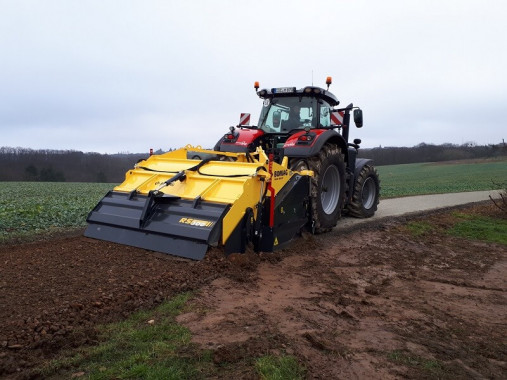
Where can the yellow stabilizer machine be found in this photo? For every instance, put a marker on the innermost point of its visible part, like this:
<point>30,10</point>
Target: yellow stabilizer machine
<point>171,204</point>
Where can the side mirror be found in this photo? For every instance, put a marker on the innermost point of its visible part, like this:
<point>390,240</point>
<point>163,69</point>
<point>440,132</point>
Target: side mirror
<point>358,117</point>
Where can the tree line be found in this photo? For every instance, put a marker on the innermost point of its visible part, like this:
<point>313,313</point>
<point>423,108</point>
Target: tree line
<point>23,164</point>
<point>432,153</point>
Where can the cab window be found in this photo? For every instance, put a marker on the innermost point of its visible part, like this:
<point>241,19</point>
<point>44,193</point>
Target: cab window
<point>325,114</point>
<point>281,115</point>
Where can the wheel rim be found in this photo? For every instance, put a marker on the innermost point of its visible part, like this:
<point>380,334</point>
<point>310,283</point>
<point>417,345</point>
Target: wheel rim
<point>368,193</point>
<point>330,189</point>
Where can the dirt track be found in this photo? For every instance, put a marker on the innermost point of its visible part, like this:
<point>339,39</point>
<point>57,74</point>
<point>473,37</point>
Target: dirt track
<point>374,303</point>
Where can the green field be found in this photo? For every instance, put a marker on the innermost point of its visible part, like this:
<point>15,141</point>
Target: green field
<point>38,207</point>
<point>441,177</point>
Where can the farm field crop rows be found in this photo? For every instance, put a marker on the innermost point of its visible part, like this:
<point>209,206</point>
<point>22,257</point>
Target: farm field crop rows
<point>442,177</point>
<point>37,207</point>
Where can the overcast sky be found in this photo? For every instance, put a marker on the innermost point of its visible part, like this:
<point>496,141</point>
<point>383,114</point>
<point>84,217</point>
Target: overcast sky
<point>127,76</point>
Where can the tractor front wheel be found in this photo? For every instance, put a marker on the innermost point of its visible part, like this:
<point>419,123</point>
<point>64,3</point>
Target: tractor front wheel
<point>365,197</point>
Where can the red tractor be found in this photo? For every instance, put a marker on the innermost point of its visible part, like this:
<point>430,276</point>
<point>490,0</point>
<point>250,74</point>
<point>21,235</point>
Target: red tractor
<point>307,127</point>
<point>259,187</point>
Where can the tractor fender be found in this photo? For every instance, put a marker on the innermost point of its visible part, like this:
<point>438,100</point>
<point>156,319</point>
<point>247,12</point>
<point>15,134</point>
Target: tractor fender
<point>360,163</point>
<point>293,148</point>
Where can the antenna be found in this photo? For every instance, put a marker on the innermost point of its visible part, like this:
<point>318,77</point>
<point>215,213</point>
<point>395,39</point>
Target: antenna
<point>312,77</point>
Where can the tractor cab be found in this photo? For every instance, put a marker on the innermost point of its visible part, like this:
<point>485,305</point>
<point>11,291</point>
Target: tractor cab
<point>291,122</point>
<point>286,110</point>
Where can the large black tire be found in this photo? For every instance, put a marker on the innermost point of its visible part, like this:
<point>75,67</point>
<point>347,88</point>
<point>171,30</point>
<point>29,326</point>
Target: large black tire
<point>328,186</point>
<point>365,197</point>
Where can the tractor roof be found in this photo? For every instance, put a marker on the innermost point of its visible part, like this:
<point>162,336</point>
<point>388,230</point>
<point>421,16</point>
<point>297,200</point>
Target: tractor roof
<point>308,91</point>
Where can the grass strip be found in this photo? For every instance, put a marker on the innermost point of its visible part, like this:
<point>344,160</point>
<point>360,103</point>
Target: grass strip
<point>419,228</point>
<point>147,345</point>
<point>484,228</point>
<point>279,368</point>
<point>469,226</point>
<point>432,367</point>
<point>152,345</point>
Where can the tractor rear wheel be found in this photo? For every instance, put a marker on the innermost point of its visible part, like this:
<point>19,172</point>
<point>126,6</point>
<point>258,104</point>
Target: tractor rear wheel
<point>365,197</point>
<point>328,186</point>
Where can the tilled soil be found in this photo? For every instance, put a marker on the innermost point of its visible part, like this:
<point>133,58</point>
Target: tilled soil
<point>370,303</point>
